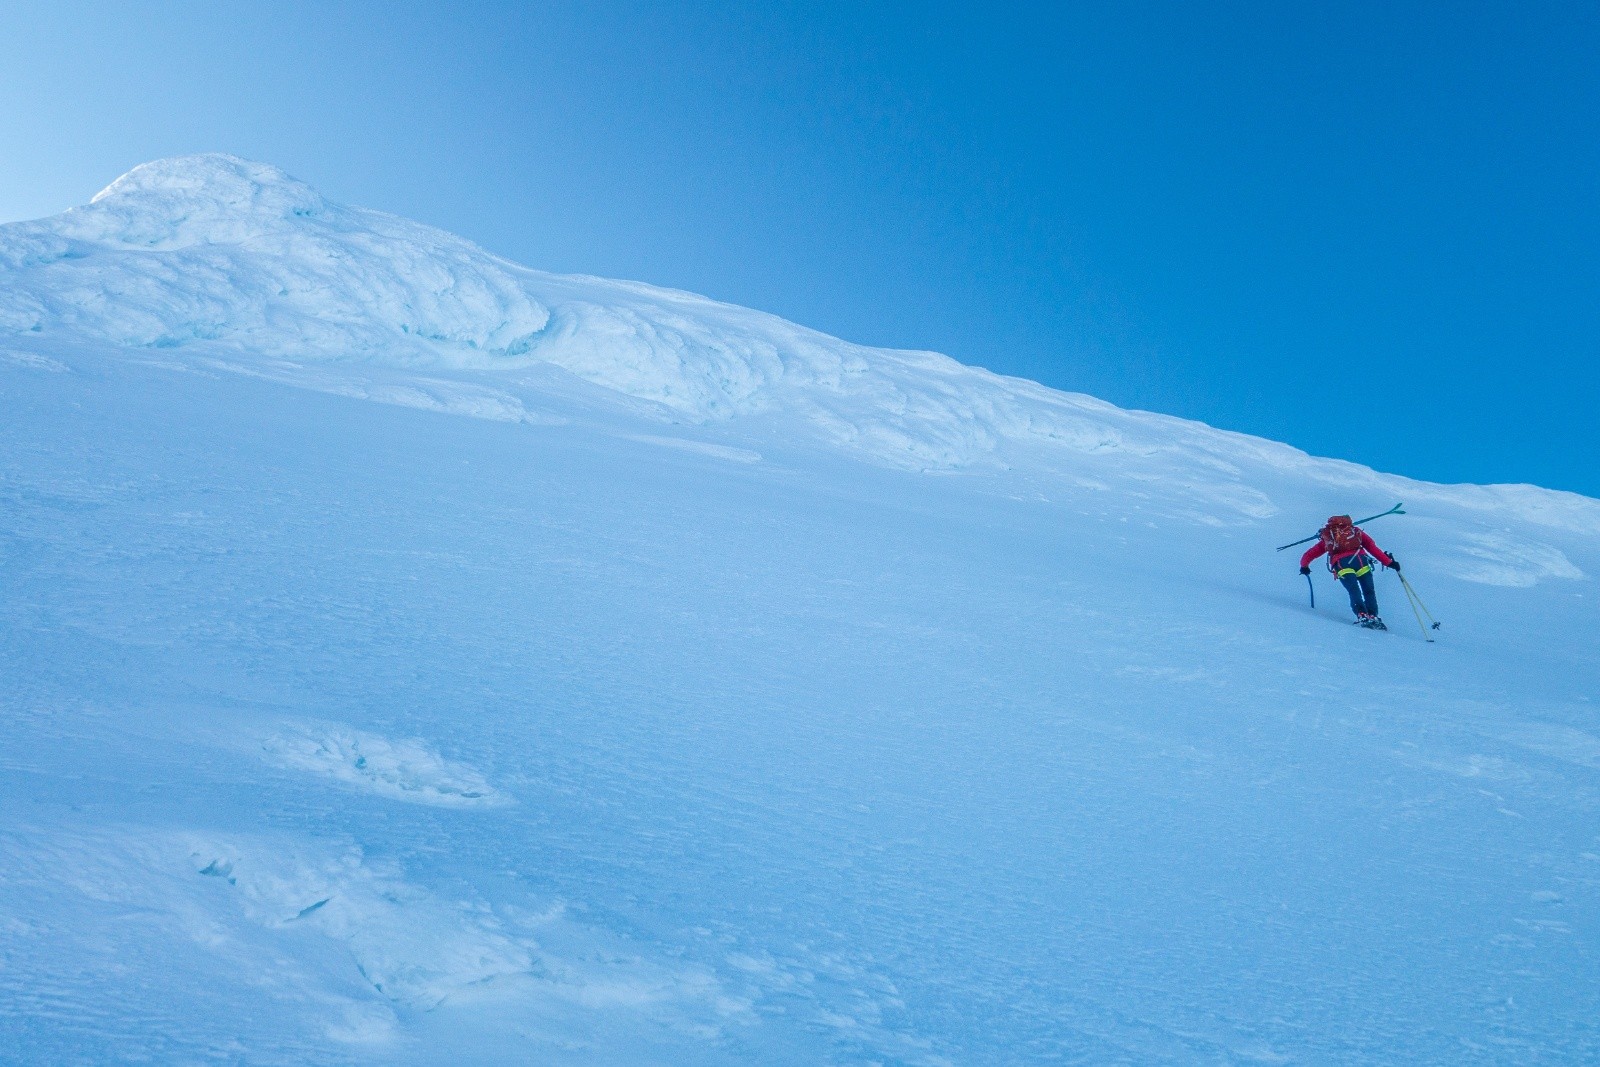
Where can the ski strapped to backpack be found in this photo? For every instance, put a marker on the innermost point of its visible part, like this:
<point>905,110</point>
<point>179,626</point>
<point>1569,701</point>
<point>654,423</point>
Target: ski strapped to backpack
<point>1396,510</point>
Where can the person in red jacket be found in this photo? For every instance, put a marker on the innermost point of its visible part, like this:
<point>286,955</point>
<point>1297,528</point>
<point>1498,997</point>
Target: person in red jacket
<point>1350,554</point>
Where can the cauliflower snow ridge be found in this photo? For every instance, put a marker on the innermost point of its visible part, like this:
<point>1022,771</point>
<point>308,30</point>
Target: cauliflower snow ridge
<point>218,249</point>
<point>215,253</point>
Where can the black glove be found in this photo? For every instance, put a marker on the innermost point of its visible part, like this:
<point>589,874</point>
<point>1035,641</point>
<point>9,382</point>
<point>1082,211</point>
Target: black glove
<point>1394,564</point>
<point>1305,570</point>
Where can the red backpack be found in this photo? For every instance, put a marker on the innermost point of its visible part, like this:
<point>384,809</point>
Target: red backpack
<point>1341,537</point>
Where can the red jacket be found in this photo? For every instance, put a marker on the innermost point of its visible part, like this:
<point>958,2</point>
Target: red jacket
<point>1366,542</point>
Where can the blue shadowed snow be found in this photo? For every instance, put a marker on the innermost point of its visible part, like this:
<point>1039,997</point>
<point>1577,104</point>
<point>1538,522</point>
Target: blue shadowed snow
<point>599,728</point>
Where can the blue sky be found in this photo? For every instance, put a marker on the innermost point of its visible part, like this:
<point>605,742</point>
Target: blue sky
<point>1372,231</point>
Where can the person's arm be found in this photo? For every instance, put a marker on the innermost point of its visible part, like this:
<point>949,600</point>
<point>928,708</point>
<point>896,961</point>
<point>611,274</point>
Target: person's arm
<point>1372,546</point>
<point>1312,553</point>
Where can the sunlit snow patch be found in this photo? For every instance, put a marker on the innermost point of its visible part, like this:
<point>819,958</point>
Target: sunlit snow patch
<point>1558,742</point>
<point>1500,559</point>
<point>18,358</point>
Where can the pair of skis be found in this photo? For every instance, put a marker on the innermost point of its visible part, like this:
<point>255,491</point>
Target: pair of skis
<point>1396,510</point>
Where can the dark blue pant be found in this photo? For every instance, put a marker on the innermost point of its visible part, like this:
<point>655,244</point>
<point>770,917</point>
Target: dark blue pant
<point>1363,597</point>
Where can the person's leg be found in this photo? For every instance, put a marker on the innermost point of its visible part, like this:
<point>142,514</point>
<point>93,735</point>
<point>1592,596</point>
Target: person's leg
<point>1369,594</point>
<point>1352,586</point>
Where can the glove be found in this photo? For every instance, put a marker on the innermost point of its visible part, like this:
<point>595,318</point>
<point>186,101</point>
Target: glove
<point>1305,570</point>
<point>1394,564</point>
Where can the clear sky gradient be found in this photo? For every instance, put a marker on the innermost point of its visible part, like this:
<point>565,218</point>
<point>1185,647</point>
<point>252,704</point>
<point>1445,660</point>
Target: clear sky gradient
<point>1369,230</point>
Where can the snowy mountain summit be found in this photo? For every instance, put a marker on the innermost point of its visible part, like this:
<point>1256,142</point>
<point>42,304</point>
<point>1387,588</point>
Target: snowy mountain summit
<point>218,249</point>
<point>409,657</point>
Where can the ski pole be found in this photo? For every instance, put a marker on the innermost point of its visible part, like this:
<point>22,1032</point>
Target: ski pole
<point>1411,599</point>
<point>1412,593</point>
<point>1396,510</point>
<point>1313,589</point>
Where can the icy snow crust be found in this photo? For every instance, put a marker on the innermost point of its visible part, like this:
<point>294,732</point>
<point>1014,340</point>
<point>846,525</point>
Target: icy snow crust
<point>720,692</point>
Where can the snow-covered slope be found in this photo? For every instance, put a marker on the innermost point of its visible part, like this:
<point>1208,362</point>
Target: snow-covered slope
<point>719,691</point>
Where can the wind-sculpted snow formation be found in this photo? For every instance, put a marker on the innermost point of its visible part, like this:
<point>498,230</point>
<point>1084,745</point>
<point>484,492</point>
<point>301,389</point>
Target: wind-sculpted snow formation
<point>213,254</point>
<point>719,692</point>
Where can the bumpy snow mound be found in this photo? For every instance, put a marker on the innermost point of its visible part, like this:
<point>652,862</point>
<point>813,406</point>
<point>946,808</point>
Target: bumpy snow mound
<point>198,200</point>
<point>218,249</point>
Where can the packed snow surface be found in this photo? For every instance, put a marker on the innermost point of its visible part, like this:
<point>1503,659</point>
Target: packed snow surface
<point>411,657</point>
